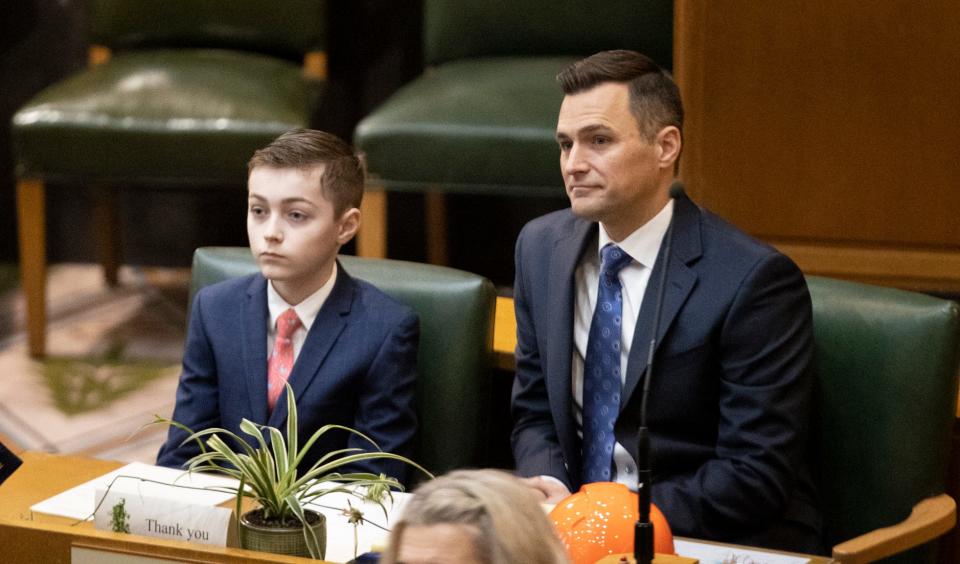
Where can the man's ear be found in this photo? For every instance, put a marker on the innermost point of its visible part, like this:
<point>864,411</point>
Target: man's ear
<point>349,224</point>
<point>670,143</point>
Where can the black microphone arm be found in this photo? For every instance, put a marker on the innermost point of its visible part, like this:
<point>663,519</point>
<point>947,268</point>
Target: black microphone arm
<point>643,530</point>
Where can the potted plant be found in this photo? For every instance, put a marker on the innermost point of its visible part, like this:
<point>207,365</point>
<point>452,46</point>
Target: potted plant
<point>268,475</point>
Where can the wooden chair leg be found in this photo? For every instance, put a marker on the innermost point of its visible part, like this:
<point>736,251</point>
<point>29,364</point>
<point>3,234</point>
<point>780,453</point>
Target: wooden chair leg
<point>372,238</point>
<point>436,228</point>
<point>31,216</point>
<point>106,226</point>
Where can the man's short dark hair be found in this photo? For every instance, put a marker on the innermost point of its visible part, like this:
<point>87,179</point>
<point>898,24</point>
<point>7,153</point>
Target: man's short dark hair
<point>342,180</point>
<point>654,97</point>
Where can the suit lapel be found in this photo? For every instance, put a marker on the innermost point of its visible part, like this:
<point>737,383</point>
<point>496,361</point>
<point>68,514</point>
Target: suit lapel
<point>254,332</point>
<point>560,301</point>
<point>326,329</point>
<point>680,281</point>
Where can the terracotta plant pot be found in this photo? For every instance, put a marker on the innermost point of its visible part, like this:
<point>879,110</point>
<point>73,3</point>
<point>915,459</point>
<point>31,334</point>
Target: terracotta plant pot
<point>282,540</point>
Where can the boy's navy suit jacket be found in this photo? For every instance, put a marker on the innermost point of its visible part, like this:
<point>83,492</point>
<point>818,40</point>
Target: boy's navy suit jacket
<point>357,368</point>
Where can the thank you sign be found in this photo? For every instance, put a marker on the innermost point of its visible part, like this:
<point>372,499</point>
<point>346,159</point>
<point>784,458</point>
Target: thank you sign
<point>126,512</point>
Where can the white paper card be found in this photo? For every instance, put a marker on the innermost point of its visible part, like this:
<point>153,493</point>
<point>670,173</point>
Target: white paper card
<point>708,553</point>
<point>78,502</point>
<point>129,512</point>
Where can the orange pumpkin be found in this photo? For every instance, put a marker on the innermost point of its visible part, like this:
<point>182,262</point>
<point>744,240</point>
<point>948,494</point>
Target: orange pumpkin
<point>599,520</point>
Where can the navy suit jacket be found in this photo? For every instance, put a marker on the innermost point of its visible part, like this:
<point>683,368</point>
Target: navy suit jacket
<point>730,399</point>
<point>357,368</point>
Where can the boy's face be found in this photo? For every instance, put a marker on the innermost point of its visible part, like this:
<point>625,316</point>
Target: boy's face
<point>294,234</point>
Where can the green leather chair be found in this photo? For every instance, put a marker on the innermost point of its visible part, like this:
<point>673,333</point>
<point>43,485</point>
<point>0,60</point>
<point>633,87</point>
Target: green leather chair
<point>191,89</point>
<point>456,345</point>
<point>887,364</point>
<point>482,119</point>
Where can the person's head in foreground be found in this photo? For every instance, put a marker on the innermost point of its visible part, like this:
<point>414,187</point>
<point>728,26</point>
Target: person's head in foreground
<point>474,517</point>
<point>304,192</point>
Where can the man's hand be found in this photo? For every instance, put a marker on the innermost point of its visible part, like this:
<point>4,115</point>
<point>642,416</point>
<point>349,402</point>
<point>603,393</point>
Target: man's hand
<point>550,490</point>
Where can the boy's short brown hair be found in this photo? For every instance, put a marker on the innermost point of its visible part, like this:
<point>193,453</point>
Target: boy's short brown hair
<point>342,180</point>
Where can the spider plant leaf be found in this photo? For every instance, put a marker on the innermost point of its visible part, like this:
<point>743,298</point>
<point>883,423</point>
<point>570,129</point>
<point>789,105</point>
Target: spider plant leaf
<point>359,487</point>
<point>292,424</point>
<point>334,454</point>
<point>181,426</point>
<point>254,430</point>
<point>240,490</point>
<point>218,432</point>
<point>279,447</point>
<point>199,464</point>
<point>326,428</point>
<point>316,436</point>
<point>313,544</point>
<point>244,464</point>
<point>264,461</point>
<point>320,472</point>
<point>325,468</point>
<point>275,466</point>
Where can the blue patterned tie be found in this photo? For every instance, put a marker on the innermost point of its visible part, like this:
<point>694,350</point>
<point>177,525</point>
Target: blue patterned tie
<point>601,369</point>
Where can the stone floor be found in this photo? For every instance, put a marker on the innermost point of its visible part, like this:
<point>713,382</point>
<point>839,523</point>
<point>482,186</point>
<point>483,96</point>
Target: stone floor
<point>112,363</point>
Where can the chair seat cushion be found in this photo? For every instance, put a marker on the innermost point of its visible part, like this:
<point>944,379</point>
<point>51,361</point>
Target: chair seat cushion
<point>162,115</point>
<point>481,125</point>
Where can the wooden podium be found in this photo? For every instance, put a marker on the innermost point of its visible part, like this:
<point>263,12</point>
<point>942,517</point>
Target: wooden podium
<point>27,537</point>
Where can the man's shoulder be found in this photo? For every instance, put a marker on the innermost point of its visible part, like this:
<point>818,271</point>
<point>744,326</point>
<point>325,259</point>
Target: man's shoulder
<point>550,227</point>
<point>733,254</point>
<point>719,235</point>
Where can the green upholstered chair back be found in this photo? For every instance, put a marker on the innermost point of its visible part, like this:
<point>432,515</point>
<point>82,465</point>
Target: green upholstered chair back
<point>887,372</point>
<point>288,28</point>
<point>483,120</point>
<point>456,343</point>
<point>457,29</point>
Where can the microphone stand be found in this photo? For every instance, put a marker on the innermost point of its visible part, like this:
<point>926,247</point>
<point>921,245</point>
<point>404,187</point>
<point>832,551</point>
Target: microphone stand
<point>643,530</point>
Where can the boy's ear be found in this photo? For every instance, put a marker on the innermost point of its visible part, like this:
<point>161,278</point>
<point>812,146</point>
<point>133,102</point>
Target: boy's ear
<point>349,224</point>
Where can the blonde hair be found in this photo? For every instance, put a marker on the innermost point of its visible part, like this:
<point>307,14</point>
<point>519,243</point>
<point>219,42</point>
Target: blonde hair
<point>500,512</point>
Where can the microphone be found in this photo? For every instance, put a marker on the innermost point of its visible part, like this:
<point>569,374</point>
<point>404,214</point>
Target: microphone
<point>643,530</point>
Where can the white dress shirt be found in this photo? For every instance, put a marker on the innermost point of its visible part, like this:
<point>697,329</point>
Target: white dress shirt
<point>643,245</point>
<point>307,311</point>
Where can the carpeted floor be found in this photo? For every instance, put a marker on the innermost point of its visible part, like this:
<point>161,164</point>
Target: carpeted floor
<point>112,363</point>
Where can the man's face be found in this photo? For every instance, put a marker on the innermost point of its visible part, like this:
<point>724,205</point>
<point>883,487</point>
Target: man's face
<point>294,234</point>
<point>611,173</point>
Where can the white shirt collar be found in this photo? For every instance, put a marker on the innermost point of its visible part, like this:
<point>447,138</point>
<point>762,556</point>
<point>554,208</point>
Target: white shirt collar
<point>644,243</point>
<point>307,310</point>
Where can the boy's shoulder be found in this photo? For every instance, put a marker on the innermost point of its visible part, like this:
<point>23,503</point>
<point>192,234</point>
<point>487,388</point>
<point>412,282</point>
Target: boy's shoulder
<point>375,301</point>
<point>232,288</point>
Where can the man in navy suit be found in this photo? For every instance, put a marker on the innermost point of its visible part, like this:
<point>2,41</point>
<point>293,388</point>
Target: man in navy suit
<point>348,351</point>
<point>729,409</point>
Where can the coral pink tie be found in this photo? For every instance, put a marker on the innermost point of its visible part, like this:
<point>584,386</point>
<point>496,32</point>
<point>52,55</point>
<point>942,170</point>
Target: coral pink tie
<point>281,361</point>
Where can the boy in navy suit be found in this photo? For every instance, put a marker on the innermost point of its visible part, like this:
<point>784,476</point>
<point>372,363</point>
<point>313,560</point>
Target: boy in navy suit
<point>348,350</point>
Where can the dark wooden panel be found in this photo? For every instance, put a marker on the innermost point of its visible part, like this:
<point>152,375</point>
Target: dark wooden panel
<point>831,123</point>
